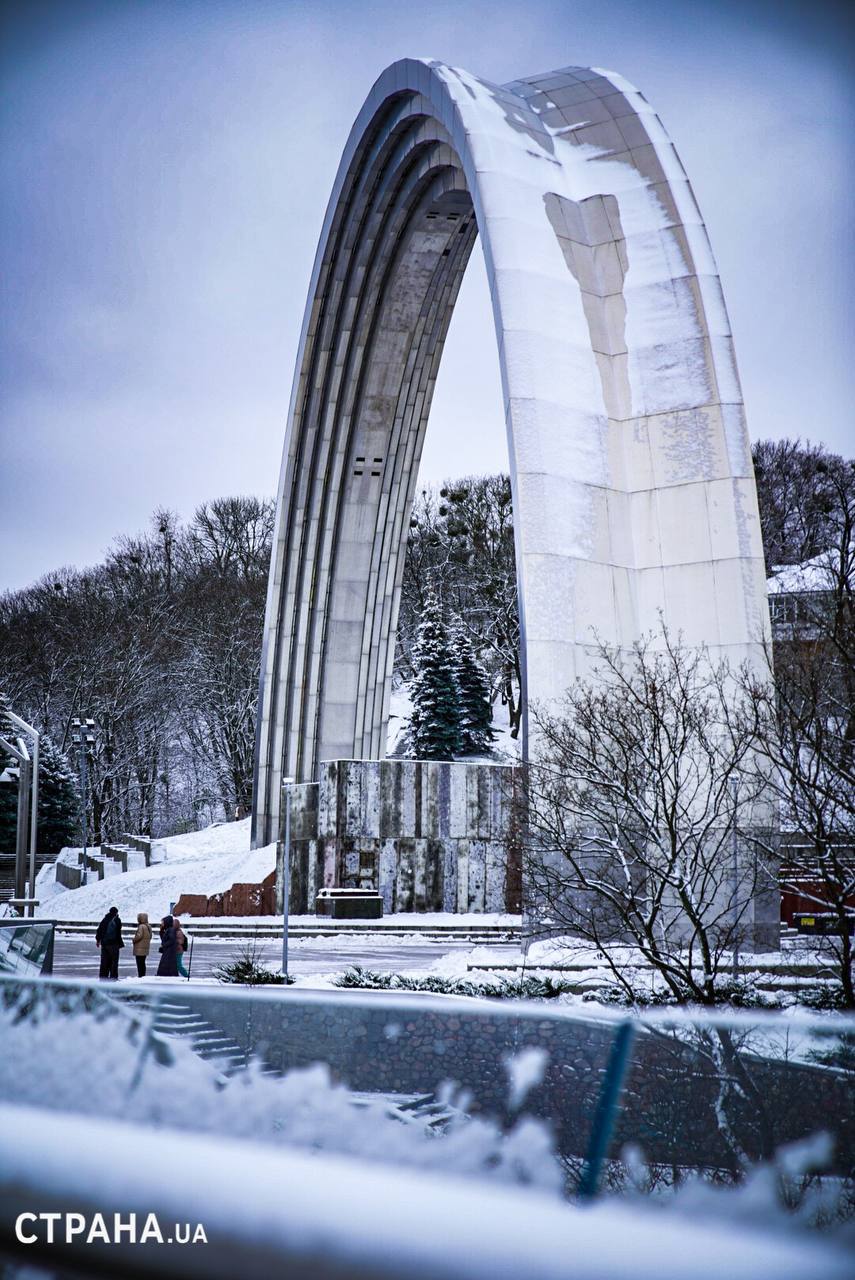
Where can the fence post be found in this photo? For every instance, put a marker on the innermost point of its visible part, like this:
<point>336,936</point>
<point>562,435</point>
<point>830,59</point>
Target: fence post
<point>606,1112</point>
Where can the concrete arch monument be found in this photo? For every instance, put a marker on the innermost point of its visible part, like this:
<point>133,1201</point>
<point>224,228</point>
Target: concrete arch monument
<point>630,463</point>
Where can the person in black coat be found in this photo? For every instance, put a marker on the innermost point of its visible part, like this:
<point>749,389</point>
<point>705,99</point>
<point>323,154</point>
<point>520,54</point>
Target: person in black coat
<point>168,966</point>
<point>108,938</point>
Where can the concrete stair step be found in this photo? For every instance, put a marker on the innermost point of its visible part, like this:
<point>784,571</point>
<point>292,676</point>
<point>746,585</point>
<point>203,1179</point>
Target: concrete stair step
<point>176,1023</point>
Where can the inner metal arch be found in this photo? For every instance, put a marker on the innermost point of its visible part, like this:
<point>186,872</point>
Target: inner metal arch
<point>386,291</point>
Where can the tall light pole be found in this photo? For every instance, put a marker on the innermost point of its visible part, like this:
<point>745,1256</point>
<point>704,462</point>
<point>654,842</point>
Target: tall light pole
<point>19,752</point>
<point>29,779</point>
<point>287,784</point>
<point>734,788</point>
<point>83,737</point>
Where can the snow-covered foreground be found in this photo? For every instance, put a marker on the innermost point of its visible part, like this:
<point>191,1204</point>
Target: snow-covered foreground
<point>303,1109</point>
<point>340,1217</point>
<point>323,1214</point>
<point>208,861</point>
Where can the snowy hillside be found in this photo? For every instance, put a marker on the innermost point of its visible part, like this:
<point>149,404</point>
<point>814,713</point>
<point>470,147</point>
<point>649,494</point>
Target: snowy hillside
<point>222,837</point>
<point>208,861</point>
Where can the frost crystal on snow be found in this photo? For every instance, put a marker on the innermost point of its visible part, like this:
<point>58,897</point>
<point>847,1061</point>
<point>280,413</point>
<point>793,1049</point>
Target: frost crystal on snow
<point>525,1070</point>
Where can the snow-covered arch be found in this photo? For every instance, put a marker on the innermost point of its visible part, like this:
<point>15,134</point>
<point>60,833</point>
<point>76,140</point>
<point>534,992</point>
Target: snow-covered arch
<point>630,463</point>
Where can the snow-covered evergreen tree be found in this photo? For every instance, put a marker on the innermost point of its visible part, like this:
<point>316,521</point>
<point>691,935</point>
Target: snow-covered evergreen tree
<point>476,711</point>
<point>59,806</point>
<point>434,732</point>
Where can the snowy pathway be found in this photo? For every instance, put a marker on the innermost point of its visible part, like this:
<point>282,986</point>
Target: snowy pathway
<point>76,957</point>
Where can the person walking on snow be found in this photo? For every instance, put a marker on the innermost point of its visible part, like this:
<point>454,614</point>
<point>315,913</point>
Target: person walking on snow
<point>168,966</point>
<point>108,937</point>
<point>181,939</point>
<point>142,943</point>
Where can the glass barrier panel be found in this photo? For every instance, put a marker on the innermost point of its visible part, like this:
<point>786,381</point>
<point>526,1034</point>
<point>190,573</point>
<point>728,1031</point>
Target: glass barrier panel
<point>716,1092</point>
<point>26,947</point>
<point>693,1093</point>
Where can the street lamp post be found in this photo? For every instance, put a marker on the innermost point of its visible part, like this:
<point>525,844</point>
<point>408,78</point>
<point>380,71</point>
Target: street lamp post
<point>29,781</point>
<point>734,787</point>
<point>287,784</point>
<point>24,781</point>
<point>19,753</point>
<point>83,737</point>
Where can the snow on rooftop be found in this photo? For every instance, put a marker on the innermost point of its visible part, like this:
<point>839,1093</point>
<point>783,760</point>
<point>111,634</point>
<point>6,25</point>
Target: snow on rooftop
<point>817,574</point>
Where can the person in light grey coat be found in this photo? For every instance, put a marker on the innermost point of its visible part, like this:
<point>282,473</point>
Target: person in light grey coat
<point>142,942</point>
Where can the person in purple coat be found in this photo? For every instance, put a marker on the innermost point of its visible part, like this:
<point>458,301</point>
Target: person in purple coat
<point>168,966</point>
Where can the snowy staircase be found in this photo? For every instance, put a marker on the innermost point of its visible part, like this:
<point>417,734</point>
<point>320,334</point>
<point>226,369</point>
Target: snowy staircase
<point>423,1110</point>
<point>178,1021</point>
<point>130,853</point>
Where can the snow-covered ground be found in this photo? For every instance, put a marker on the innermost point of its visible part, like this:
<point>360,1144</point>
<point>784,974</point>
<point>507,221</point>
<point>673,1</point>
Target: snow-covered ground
<point>576,953</point>
<point>208,861</point>
<point>222,837</point>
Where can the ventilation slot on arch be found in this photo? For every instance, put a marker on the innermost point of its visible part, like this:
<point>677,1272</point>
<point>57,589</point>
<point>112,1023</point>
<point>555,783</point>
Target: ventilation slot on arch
<point>359,469</point>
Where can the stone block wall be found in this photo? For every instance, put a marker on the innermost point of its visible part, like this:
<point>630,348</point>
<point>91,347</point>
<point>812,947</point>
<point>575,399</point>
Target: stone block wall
<point>671,1103</point>
<point>70,877</point>
<point>427,835</point>
<point>117,852</point>
<point>241,899</point>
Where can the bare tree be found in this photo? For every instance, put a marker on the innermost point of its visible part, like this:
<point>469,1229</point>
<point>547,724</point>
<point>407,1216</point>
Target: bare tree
<point>797,499</point>
<point>809,720</point>
<point>231,537</point>
<point>645,815</point>
<point>160,645</point>
<point>226,557</point>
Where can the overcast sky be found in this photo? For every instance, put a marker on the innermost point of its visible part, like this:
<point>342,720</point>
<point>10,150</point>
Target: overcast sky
<point>165,166</point>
